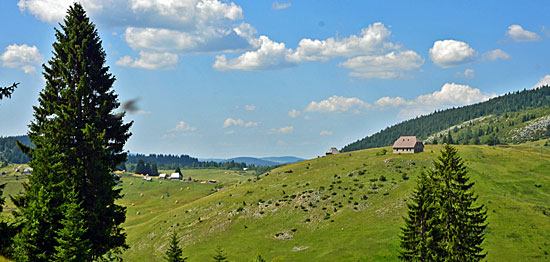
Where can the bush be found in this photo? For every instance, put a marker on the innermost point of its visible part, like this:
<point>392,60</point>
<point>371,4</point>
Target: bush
<point>382,178</point>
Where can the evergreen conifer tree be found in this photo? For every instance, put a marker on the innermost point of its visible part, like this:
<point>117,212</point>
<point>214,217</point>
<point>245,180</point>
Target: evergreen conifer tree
<point>443,222</point>
<point>72,246</point>
<point>7,91</point>
<point>220,255</point>
<point>420,235</point>
<point>140,167</point>
<point>174,252</point>
<point>462,222</point>
<point>154,170</point>
<point>78,142</point>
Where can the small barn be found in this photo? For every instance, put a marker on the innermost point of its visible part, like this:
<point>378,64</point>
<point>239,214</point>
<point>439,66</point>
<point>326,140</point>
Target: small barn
<point>163,176</point>
<point>333,151</point>
<point>175,176</point>
<point>408,144</point>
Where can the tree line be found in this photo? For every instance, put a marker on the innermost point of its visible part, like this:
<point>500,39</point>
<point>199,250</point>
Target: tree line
<point>424,126</point>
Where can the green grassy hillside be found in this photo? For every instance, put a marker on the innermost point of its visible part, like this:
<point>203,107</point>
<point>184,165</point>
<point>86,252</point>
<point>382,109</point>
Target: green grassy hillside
<point>340,208</point>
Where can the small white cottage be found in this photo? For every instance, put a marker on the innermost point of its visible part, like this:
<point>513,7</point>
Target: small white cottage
<point>175,176</point>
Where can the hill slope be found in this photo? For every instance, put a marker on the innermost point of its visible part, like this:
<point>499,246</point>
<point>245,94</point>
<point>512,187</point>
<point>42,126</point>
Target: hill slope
<point>345,208</point>
<point>427,125</point>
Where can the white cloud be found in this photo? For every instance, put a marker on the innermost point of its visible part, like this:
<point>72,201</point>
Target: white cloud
<point>495,55</point>
<point>337,104</point>
<point>251,124</point>
<point>468,73</point>
<point>150,61</point>
<point>451,94</point>
<point>518,34</point>
<point>238,122</point>
<point>373,40</point>
<point>371,47</point>
<point>294,113</point>
<point>325,133</point>
<point>230,121</point>
<point>22,56</point>
<point>250,107</point>
<point>449,53</point>
<point>543,81</point>
<point>387,101</point>
<point>270,55</point>
<point>175,26</point>
<point>53,11</point>
<point>392,65</point>
<point>182,126</point>
<point>285,130</point>
<point>278,6</point>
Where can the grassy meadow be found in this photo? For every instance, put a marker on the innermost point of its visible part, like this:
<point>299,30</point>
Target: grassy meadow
<point>345,207</point>
<point>350,208</point>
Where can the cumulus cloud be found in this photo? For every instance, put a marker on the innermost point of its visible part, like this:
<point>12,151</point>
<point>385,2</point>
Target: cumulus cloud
<point>182,126</point>
<point>337,104</point>
<point>175,26</point>
<point>325,133</point>
<point>270,55</point>
<point>22,56</point>
<point>449,53</point>
<point>150,61</point>
<point>387,101</point>
<point>238,122</point>
<point>392,65</point>
<point>285,130</point>
<point>294,113</point>
<point>372,40</point>
<point>250,107</point>
<point>495,55</point>
<point>278,6</point>
<point>451,94</point>
<point>543,81</point>
<point>468,73</point>
<point>368,53</point>
<point>518,34</point>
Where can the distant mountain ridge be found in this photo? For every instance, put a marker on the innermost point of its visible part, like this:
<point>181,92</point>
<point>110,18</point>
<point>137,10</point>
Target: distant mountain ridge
<point>258,161</point>
<point>427,125</point>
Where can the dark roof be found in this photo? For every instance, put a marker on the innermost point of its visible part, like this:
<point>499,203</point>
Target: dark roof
<point>406,142</point>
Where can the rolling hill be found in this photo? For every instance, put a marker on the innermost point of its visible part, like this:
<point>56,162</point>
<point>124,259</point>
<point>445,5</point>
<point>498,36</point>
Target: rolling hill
<point>345,207</point>
<point>425,126</point>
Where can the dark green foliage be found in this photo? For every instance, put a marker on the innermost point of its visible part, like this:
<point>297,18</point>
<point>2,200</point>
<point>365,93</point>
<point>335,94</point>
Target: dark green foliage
<point>78,142</point>
<point>7,91</point>
<point>72,245</point>
<point>174,253</point>
<point>220,255</point>
<point>437,121</point>
<point>154,170</point>
<point>178,170</point>
<point>6,230</point>
<point>443,224</point>
<point>140,168</point>
<point>10,151</point>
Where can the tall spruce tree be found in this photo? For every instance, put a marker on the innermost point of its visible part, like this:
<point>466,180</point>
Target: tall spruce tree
<point>174,253</point>
<point>421,233</point>
<point>78,141</point>
<point>462,221</point>
<point>444,223</point>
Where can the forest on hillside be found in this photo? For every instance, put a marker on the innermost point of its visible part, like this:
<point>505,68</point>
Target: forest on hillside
<point>10,152</point>
<point>424,126</point>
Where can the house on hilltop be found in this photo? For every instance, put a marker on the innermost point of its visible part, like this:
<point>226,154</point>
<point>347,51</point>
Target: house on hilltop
<point>332,151</point>
<point>408,144</point>
<point>175,176</point>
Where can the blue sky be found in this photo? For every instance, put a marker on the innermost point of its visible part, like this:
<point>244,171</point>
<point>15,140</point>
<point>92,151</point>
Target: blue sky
<point>265,78</point>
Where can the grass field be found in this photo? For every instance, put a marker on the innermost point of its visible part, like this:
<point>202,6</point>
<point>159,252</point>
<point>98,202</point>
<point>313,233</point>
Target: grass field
<point>346,207</point>
<point>337,209</point>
